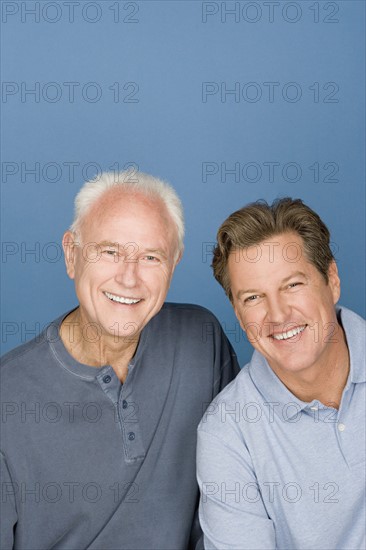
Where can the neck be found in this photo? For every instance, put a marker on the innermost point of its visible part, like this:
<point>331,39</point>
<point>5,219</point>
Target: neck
<point>324,382</point>
<point>97,350</point>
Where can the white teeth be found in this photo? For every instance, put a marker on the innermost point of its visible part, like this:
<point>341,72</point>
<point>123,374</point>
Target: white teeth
<point>121,299</point>
<point>289,333</point>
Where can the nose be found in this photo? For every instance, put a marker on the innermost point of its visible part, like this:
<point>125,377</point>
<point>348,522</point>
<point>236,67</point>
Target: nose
<point>278,309</point>
<point>127,273</point>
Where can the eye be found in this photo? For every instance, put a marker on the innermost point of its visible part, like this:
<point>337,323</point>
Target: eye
<point>293,285</point>
<point>150,259</point>
<point>250,299</point>
<point>110,254</point>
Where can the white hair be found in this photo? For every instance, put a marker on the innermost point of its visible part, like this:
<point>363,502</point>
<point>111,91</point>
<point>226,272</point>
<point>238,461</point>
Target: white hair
<point>135,182</point>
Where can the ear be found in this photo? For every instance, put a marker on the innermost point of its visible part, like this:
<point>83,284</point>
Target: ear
<point>175,263</point>
<point>179,258</point>
<point>334,281</point>
<point>68,244</point>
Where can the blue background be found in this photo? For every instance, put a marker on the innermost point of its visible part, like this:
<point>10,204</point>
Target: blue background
<point>166,124</point>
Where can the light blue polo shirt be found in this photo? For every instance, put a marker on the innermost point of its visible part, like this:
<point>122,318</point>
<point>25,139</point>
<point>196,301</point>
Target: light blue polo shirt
<point>276,472</point>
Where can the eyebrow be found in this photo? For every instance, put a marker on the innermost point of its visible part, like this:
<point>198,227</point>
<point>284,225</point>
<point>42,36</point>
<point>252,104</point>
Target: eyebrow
<point>108,243</point>
<point>296,274</point>
<point>283,282</point>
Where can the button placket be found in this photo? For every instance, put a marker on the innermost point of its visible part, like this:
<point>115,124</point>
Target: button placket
<point>129,422</point>
<point>109,383</point>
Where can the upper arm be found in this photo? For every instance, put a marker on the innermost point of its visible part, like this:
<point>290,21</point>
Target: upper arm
<point>8,507</point>
<point>196,536</point>
<point>232,513</point>
<point>226,363</point>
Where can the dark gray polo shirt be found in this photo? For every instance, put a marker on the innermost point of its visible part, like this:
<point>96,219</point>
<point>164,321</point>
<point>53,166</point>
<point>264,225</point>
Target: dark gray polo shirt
<point>90,463</point>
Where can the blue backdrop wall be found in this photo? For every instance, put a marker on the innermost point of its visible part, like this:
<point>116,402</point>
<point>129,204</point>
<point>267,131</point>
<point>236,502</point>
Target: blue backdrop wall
<point>229,101</point>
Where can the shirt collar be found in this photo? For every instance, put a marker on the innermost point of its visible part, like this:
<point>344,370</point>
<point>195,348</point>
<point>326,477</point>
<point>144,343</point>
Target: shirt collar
<point>274,392</point>
<point>65,360</point>
<point>354,327</point>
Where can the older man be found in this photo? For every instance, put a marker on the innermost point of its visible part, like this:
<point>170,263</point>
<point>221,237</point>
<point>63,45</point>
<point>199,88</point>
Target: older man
<point>281,451</point>
<point>100,412</point>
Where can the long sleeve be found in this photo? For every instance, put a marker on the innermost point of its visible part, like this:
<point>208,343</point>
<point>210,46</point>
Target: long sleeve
<point>232,512</point>
<point>226,368</point>
<point>226,363</point>
<point>8,514</point>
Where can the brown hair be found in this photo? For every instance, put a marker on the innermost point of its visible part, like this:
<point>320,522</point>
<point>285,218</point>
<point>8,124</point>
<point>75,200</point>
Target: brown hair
<point>258,221</point>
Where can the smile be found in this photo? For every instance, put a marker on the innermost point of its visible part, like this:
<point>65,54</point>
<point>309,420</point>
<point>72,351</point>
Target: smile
<point>122,299</point>
<point>289,333</point>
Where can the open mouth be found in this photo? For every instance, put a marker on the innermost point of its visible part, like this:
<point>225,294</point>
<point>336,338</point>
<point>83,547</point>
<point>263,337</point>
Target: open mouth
<point>122,299</point>
<point>289,333</point>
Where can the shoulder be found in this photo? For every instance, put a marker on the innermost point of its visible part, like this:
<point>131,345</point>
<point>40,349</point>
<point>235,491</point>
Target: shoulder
<point>351,320</point>
<point>17,368</point>
<point>187,311</point>
<point>186,318</point>
<point>192,336</point>
<point>225,409</point>
<point>17,362</point>
<point>354,327</point>
<point>22,353</point>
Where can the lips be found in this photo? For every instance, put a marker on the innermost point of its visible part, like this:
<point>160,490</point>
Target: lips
<point>289,333</point>
<point>122,299</point>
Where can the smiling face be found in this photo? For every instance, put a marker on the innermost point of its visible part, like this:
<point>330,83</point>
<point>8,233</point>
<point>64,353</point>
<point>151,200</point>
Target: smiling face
<point>284,304</point>
<point>123,264</point>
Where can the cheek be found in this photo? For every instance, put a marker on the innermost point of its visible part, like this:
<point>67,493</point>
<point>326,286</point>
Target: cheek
<point>158,281</point>
<point>314,301</point>
<point>241,316</point>
<point>90,275</point>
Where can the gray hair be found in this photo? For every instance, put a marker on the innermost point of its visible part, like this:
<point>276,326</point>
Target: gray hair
<point>134,182</point>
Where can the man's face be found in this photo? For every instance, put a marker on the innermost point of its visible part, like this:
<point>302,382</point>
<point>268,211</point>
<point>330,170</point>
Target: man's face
<point>124,263</point>
<point>284,304</point>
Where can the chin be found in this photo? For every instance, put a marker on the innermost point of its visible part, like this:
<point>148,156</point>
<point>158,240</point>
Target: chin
<point>295,366</point>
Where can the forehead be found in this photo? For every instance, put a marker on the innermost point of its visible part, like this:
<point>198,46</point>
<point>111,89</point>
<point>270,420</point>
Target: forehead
<point>118,212</point>
<point>279,254</point>
<point>118,202</point>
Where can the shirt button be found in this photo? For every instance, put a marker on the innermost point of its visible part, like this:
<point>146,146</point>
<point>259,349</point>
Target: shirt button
<point>124,404</point>
<point>341,427</point>
<point>131,436</point>
<point>107,379</point>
